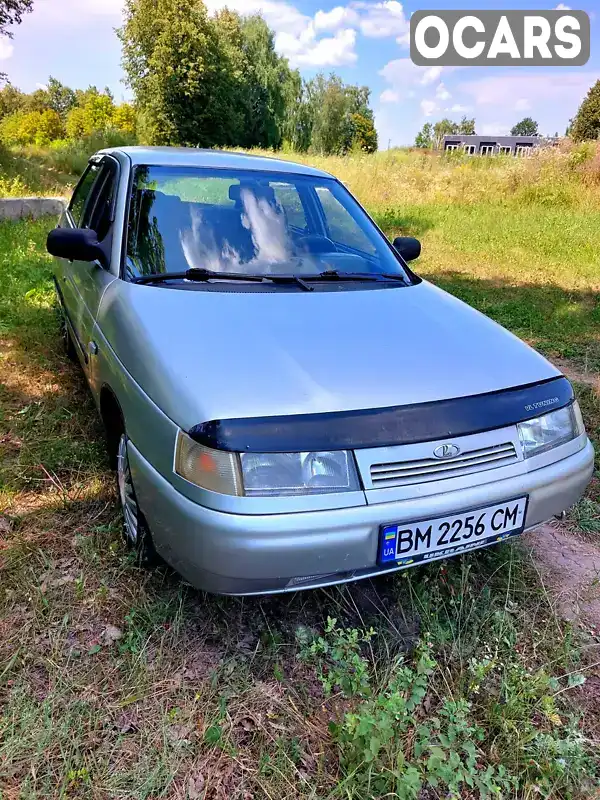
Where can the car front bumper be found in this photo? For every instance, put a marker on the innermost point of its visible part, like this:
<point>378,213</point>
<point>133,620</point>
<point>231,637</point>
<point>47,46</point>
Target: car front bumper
<point>260,554</point>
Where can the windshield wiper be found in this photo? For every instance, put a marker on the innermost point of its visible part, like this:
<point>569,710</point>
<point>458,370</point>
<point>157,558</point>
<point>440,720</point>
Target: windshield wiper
<point>197,274</point>
<point>334,275</point>
<point>291,279</point>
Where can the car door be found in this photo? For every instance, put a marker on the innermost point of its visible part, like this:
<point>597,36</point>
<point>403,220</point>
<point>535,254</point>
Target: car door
<point>87,281</point>
<point>71,218</point>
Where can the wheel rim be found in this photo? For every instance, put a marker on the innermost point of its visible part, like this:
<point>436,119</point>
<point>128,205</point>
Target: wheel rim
<point>128,501</point>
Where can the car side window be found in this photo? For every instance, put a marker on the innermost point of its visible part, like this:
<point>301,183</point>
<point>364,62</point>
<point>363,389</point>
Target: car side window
<point>82,192</point>
<point>97,214</point>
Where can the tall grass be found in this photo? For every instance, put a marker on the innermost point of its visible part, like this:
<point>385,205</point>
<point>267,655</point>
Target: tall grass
<point>72,156</point>
<point>567,176</point>
<point>563,177</point>
<point>53,170</point>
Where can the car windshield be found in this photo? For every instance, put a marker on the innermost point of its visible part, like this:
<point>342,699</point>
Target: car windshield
<point>250,222</point>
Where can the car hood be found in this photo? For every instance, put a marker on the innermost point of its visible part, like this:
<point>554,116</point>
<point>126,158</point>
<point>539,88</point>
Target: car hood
<point>205,355</point>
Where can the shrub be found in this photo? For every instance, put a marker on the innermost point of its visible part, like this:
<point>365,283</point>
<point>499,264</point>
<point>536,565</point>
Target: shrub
<point>76,122</point>
<point>495,731</point>
<point>124,118</point>
<point>33,127</point>
<point>72,156</point>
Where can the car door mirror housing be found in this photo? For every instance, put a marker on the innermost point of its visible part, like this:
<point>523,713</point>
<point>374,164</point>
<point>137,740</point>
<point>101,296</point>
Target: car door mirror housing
<point>76,244</point>
<point>408,247</point>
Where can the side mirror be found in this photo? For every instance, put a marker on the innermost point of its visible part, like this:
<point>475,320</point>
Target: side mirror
<point>76,244</point>
<point>408,247</point>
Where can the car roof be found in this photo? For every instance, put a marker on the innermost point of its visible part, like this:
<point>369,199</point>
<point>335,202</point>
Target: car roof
<point>217,159</point>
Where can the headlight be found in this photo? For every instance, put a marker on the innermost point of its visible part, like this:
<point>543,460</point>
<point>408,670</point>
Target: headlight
<point>287,474</point>
<point>265,474</point>
<point>550,430</point>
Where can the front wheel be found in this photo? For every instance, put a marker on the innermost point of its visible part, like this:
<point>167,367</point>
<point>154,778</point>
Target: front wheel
<point>68,344</point>
<point>135,528</point>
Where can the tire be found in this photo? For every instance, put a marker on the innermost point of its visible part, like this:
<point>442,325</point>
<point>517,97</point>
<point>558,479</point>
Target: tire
<point>68,344</point>
<point>135,528</point>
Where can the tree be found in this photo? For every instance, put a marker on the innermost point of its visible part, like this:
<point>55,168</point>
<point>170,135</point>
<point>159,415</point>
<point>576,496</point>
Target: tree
<point>586,124</point>
<point>364,134</point>
<point>98,111</point>
<point>11,100</point>
<point>180,68</point>
<point>50,127</point>
<point>336,117</point>
<point>269,85</point>
<point>11,13</point>
<point>445,127</point>
<point>466,127</point>
<point>95,114</point>
<point>433,135</point>
<point>331,129</point>
<point>424,137</point>
<point>76,123</point>
<point>124,118</point>
<point>527,127</point>
<point>208,80</point>
<point>37,100</point>
<point>60,97</point>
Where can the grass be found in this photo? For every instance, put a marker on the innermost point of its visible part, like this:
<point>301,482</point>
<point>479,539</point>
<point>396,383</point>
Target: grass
<point>54,170</point>
<point>451,680</point>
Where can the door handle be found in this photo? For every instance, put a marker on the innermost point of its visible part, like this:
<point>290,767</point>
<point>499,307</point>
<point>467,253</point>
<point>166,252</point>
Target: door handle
<point>93,348</point>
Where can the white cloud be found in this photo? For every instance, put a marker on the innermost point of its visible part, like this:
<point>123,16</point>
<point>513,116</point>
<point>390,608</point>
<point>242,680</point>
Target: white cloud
<point>562,7</point>
<point>296,35</point>
<point>402,73</point>
<point>537,89</point>
<point>305,50</point>
<point>6,50</point>
<point>457,108</point>
<point>429,107</point>
<point>430,74</point>
<point>442,93</point>
<point>280,16</point>
<point>389,96</point>
<point>493,129</point>
<point>522,104</point>
<point>338,17</point>
<point>384,19</point>
<point>377,20</point>
<point>407,80</point>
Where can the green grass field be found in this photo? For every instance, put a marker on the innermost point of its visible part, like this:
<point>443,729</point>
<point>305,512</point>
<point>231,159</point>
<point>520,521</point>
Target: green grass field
<point>455,680</point>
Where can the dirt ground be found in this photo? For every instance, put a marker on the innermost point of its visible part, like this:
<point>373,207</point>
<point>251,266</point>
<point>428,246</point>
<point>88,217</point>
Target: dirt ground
<point>570,567</point>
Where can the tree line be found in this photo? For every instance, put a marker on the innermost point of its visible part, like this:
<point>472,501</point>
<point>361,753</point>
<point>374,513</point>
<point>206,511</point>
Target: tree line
<point>57,112</point>
<point>200,80</point>
<point>216,80</point>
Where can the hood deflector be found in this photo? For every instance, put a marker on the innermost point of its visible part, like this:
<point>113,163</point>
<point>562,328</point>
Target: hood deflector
<point>385,427</point>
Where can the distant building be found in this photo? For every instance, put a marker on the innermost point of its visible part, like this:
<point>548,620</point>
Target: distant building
<point>497,145</point>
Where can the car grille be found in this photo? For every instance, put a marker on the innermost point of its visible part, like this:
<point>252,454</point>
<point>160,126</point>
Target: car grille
<point>403,473</point>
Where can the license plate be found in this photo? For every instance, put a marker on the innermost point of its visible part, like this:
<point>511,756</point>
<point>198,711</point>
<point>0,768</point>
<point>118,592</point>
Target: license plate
<point>410,543</point>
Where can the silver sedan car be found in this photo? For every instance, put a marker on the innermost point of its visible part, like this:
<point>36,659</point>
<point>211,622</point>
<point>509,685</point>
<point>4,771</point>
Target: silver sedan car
<point>287,404</point>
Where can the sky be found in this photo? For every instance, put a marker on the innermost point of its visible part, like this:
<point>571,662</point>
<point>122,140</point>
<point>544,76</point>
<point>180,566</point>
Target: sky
<point>364,41</point>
